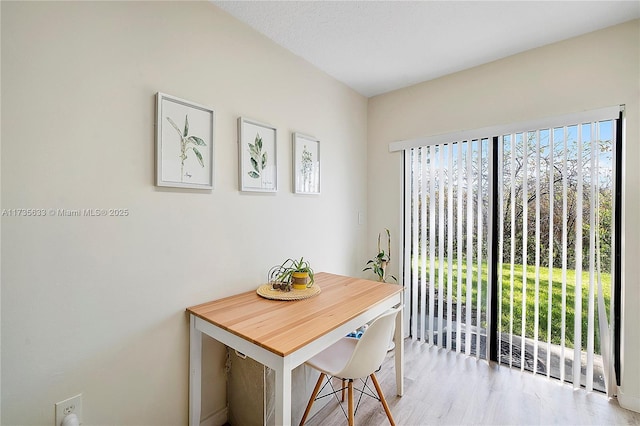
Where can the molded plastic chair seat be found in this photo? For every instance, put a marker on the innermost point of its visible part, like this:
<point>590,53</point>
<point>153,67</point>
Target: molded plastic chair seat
<point>351,358</point>
<point>333,359</point>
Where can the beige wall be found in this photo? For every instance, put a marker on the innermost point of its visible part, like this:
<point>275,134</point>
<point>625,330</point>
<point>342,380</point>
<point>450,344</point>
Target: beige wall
<point>96,305</point>
<point>596,70</point>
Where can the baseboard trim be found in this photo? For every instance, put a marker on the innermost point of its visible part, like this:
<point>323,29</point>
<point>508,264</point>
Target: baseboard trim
<point>629,402</point>
<point>217,418</point>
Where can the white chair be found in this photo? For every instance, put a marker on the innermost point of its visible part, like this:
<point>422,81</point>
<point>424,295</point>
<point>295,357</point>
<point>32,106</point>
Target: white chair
<point>350,359</point>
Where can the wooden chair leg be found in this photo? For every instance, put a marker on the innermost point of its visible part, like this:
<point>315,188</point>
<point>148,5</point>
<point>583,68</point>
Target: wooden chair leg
<point>350,391</point>
<point>384,401</point>
<point>313,397</point>
<point>343,388</point>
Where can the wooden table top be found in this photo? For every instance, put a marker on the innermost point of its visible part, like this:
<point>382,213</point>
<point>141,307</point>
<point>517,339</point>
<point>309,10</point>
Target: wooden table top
<point>282,327</point>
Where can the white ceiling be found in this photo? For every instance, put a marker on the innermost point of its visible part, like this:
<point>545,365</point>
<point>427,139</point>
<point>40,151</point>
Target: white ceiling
<point>378,46</point>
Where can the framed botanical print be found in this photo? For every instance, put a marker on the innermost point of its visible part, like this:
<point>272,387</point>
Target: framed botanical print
<point>257,152</point>
<point>306,164</point>
<point>184,143</point>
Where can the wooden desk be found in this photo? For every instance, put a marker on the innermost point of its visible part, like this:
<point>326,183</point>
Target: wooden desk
<point>284,334</point>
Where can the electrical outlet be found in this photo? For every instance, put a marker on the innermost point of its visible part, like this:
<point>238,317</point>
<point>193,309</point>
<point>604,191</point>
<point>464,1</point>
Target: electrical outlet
<point>68,406</point>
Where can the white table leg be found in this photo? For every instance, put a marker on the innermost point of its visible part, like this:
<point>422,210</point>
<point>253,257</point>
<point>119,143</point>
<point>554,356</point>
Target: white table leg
<point>283,394</point>
<point>195,372</point>
<point>399,353</point>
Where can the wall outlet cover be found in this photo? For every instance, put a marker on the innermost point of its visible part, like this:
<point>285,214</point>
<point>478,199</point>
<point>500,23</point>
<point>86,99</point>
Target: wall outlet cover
<point>68,406</point>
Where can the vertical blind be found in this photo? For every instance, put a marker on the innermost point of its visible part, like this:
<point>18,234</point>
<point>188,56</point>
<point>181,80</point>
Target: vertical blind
<point>553,212</point>
<point>446,209</point>
<point>556,178</point>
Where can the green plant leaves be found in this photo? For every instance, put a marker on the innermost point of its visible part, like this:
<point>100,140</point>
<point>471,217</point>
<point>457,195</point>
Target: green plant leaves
<point>185,139</point>
<point>175,126</point>
<point>258,158</point>
<point>196,140</point>
<point>381,261</point>
<point>289,266</point>
<point>198,155</point>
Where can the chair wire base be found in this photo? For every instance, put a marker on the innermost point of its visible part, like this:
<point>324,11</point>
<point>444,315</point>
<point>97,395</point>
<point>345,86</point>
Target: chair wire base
<point>365,390</point>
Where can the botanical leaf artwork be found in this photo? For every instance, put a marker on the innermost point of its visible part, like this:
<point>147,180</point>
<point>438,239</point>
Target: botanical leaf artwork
<point>187,143</point>
<point>306,167</point>
<point>258,158</point>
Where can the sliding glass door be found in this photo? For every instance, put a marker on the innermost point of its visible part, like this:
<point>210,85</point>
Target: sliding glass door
<point>509,248</point>
<point>448,202</point>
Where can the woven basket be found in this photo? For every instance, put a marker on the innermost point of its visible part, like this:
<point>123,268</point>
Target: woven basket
<point>268,292</point>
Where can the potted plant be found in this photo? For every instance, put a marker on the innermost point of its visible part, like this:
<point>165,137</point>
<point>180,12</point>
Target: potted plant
<point>295,273</point>
<point>379,263</point>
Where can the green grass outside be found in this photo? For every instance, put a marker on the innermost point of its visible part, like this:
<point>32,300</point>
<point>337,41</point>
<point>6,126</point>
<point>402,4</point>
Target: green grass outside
<point>543,291</point>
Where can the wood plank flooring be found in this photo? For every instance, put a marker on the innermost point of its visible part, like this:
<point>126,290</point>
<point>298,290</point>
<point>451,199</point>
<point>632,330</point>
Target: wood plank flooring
<point>451,389</point>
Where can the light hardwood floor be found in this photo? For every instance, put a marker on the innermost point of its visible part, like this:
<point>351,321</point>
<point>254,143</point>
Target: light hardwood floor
<point>447,388</point>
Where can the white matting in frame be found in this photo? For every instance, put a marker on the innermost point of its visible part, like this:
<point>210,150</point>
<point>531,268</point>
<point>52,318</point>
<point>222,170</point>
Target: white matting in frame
<point>257,153</point>
<point>306,164</point>
<point>184,143</point>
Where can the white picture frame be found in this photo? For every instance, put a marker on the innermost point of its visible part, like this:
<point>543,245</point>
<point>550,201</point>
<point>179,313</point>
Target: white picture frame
<point>257,156</point>
<point>306,164</point>
<point>184,143</point>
